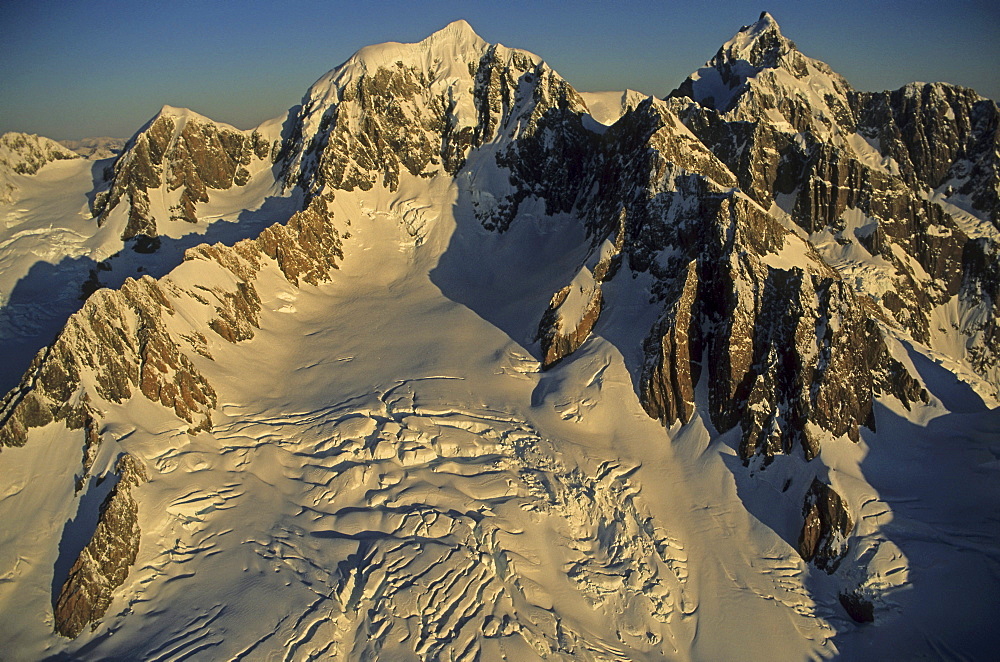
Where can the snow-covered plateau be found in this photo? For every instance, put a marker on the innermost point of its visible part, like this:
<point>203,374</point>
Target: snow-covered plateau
<point>453,362</point>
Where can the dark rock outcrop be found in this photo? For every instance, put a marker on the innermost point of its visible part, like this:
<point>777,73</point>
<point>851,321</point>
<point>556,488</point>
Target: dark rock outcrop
<point>673,357</point>
<point>858,607</point>
<point>940,135</point>
<point>104,563</point>
<point>791,354</point>
<point>862,174</point>
<point>562,335</point>
<point>827,527</point>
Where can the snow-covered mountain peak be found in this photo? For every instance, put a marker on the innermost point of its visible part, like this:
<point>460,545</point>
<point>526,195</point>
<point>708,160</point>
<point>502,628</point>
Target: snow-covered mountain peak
<point>455,41</point>
<point>471,376</point>
<point>420,106</point>
<point>458,34</point>
<point>25,154</point>
<point>174,111</point>
<point>444,53</point>
<point>761,44</point>
<point>183,115</point>
<point>760,71</point>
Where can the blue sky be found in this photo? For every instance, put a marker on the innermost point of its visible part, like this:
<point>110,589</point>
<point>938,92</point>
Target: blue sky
<point>77,68</point>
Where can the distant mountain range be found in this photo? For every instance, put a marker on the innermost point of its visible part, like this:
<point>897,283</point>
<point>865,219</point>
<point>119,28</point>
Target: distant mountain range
<point>95,148</point>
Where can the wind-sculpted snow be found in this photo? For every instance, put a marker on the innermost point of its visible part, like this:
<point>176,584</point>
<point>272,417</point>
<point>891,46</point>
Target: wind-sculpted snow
<point>412,536</point>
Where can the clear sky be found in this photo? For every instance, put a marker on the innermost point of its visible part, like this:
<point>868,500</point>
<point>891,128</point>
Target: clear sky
<point>80,68</point>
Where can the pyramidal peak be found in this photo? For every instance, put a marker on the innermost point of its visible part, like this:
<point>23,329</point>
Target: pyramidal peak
<point>759,57</point>
<point>457,32</point>
<point>183,115</point>
<point>444,53</point>
<point>456,41</point>
<point>761,44</point>
<point>764,23</point>
<point>179,117</point>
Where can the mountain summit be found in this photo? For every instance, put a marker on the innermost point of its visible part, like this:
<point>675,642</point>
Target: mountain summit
<point>439,366</point>
<point>761,62</point>
<point>761,44</point>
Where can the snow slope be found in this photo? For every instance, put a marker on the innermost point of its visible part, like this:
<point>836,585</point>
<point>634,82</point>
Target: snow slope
<point>390,473</point>
<point>406,459</point>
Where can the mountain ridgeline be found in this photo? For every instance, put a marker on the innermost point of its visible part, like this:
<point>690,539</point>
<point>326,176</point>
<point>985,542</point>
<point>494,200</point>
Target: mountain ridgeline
<point>788,242</point>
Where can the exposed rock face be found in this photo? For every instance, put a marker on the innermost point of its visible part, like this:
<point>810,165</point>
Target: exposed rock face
<point>552,152</point>
<point>780,341</point>
<point>186,155</point>
<point>863,176</point>
<point>647,163</point>
<point>105,562</point>
<point>776,327</point>
<point>363,124</point>
<point>25,154</point>
<point>673,365</point>
<point>392,127</point>
<point>940,136</point>
<point>858,607</point>
<point>308,247</point>
<point>562,335</point>
<point>91,444</point>
<point>823,540</point>
<point>760,69</point>
<point>120,338</point>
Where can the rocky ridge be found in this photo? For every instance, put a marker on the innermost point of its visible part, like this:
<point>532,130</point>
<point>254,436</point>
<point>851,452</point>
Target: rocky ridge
<point>121,340</point>
<point>105,562</point>
<point>184,156</point>
<point>25,154</point>
<point>128,341</point>
<point>851,171</point>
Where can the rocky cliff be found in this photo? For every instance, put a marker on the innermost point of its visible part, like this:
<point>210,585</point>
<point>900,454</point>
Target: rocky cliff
<point>104,563</point>
<point>182,156</point>
<point>852,172</point>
